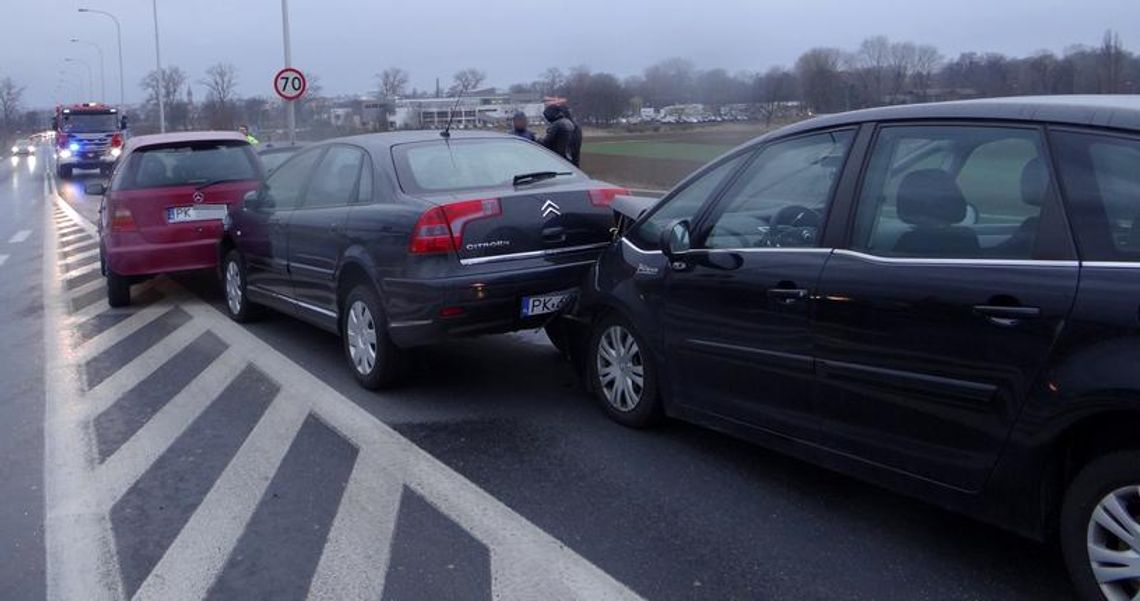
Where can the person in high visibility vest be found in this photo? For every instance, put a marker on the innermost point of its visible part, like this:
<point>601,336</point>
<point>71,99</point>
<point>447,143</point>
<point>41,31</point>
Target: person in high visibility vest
<point>244,129</point>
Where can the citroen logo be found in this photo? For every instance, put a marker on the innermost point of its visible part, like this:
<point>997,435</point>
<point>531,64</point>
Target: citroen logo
<point>199,197</point>
<point>549,208</point>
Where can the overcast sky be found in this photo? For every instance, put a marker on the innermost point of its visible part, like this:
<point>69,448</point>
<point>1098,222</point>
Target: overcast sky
<point>346,42</point>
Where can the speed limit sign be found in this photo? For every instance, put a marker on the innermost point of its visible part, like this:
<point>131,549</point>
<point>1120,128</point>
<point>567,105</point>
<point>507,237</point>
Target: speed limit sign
<point>290,84</point>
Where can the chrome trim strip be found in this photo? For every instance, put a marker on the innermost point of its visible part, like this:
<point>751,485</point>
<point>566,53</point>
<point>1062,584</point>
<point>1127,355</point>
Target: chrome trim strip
<point>532,254</point>
<point>411,323</point>
<point>294,301</point>
<point>812,249</point>
<point>1112,264</point>
<point>955,262</point>
<point>639,249</point>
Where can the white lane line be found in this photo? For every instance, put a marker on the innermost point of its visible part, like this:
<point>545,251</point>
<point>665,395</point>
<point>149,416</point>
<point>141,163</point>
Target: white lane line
<point>354,561</point>
<point>3,259</point>
<point>100,306</point>
<point>19,236</point>
<point>118,383</point>
<point>121,330</point>
<point>78,219</point>
<point>83,255</point>
<point>131,460</point>
<point>82,270</point>
<point>196,557</point>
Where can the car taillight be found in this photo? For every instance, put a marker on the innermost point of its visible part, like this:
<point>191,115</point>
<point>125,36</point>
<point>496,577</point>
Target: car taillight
<point>604,197</point>
<point>123,221</point>
<point>116,140</point>
<point>440,229</point>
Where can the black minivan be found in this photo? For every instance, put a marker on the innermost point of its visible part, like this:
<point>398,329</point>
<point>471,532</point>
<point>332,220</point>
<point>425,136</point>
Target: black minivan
<point>943,299</point>
<point>402,239</point>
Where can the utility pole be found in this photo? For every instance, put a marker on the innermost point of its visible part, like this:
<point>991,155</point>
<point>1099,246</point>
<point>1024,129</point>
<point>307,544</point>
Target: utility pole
<point>119,35</point>
<point>290,109</point>
<point>161,79</point>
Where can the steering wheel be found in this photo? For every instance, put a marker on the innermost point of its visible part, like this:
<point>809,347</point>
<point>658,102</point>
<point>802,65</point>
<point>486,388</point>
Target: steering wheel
<point>792,226</point>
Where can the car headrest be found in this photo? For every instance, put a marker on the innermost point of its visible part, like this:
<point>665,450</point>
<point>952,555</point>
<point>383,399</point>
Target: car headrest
<point>930,197</point>
<point>1034,183</point>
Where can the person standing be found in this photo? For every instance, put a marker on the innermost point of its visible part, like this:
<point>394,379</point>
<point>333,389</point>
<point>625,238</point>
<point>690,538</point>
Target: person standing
<point>520,126</point>
<point>563,136</point>
<point>244,130</point>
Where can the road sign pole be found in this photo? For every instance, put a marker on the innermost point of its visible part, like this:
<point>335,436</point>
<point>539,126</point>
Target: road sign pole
<point>158,67</point>
<point>290,109</point>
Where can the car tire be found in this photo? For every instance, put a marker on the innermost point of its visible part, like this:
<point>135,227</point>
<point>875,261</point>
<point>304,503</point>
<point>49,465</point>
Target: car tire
<point>557,335</point>
<point>370,354</point>
<point>617,360</point>
<point>118,290</point>
<point>238,305</point>
<point>1108,487</point>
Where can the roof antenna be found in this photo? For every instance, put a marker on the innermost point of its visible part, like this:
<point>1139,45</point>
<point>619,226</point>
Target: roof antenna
<point>446,133</point>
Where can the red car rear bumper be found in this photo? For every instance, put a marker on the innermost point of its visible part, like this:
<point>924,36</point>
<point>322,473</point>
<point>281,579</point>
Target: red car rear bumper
<point>131,255</point>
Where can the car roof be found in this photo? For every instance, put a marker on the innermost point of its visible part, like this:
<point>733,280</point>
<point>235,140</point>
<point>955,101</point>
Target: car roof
<point>384,140</point>
<point>184,136</point>
<point>1113,111</point>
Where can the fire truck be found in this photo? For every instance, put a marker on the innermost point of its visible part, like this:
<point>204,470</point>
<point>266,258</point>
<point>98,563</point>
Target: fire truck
<point>87,136</point>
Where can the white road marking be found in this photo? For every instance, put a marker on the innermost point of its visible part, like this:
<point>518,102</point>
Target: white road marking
<point>19,236</point>
<point>526,562</point>
<point>3,259</point>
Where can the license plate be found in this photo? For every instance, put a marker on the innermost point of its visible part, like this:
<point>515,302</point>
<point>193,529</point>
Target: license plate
<point>547,303</point>
<point>195,213</point>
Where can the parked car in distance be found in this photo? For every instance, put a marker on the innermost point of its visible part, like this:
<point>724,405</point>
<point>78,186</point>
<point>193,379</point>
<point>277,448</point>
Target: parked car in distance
<point>272,155</point>
<point>402,239</point>
<point>162,211</point>
<point>939,298</point>
<point>23,147</point>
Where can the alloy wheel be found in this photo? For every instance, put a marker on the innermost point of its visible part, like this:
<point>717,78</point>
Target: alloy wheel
<point>361,330</point>
<point>233,287</point>
<point>1114,544</point>
<point>621,372</point>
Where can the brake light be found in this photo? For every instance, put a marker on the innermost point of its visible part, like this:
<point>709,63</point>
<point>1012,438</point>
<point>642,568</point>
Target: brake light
<point>116,140</point>
<point>604,197</point>
<point>123,221</point>
<point>440,229</point>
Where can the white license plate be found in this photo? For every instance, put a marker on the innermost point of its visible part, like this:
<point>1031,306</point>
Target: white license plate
<point>195,213</point>
<point>547,303</point>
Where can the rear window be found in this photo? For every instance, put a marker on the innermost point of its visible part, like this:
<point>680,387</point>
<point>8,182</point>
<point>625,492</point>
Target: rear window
<point>188,164</point>
<point>441,166</point>
<point>80,123</point>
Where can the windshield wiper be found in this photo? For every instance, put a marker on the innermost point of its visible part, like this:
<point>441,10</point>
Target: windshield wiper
<point>529,178</point>
<point>221,181</point>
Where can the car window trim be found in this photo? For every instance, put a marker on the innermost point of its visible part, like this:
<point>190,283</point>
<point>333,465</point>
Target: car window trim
<point>1052,210</point>
<point>355,186</point>
<point>701,226</point>
<point>320,150</point>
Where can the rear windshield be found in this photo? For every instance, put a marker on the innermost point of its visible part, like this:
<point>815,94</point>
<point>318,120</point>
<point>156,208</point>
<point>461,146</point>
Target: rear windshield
<point>80,123</point>
<point>273,160</point>
<point>188,164</point>
<point>441,166</point>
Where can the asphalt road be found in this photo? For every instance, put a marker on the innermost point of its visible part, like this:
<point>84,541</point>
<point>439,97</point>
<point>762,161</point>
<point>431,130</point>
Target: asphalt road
<point>190,457</point>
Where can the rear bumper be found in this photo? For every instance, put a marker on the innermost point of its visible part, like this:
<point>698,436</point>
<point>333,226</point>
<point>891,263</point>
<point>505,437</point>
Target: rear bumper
<point>490,303</point>
<point>143,258</point>
<point>85,162</point>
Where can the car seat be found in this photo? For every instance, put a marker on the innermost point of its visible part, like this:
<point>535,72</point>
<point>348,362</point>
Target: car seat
<point>932,204</point>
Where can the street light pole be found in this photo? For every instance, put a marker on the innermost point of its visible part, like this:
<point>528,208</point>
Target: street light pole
<point>158,65</point>
<point>102,72</point>
<point>90,74</point>
<point>119,36</point>
<point>290,114</point>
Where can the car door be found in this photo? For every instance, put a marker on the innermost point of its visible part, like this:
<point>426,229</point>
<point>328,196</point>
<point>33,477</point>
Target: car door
<point>316,228</point>
<point>737,307</point>
<point>262,234</point>
<point>934,322</point>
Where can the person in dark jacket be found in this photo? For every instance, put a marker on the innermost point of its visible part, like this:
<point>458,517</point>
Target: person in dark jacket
<point>519,126</point>
<point>563,136</point>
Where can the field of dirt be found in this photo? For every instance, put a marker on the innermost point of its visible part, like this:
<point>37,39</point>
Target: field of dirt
<point>637,172</point>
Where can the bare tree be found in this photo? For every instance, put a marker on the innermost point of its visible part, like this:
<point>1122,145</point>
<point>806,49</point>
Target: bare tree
<point>774,90</point>
<point>902,59</point>
<point>466,80</point>
<point>551,81</point>
<point>1110,63</point>
<point>11,98</point>
<point>820,80</point>
<point>221,81</point>
<point>171,82</point>
<point>393,82</point>
<point>927,61</point>
<point>872,61</point>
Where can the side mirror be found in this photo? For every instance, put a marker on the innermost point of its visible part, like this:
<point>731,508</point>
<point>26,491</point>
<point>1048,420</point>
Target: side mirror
<point>675,241</point>
<point>971,215</point>
<point>123,122</point>
<point>251,200</point>
<point>94,189</point>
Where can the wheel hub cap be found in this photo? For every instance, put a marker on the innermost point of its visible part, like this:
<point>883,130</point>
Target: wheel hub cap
<point>233,287</point>
<point>360,331</point>
<point>621,373</point>
<point>1114,544</point>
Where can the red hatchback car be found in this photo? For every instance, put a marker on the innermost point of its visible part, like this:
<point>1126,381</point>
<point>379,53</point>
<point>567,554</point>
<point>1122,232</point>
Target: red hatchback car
<point>163,210</point>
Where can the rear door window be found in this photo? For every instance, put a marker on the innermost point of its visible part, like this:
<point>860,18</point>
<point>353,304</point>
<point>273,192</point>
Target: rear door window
<point>334,182</point>
<point>285,186</point>
<point>189,164</point>
<point>1101,178</point>
<point>953,192</point>
<point>472,164</point>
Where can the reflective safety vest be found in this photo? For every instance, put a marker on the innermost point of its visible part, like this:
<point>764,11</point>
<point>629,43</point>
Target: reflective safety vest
<point>252,140</point>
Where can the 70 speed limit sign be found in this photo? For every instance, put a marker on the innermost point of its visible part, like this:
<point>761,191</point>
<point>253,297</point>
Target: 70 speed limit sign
<point>290,84</point>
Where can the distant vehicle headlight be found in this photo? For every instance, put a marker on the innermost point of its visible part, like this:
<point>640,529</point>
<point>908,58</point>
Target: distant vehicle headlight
<point>65,154</point>
<point>15,149</point>
<point>31,149</point>
<point>115,152</point>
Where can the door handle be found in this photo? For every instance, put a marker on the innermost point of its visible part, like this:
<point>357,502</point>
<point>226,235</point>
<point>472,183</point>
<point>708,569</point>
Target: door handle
<point>334,228</point>
<point>787,295</point>
<point>1005,315</point>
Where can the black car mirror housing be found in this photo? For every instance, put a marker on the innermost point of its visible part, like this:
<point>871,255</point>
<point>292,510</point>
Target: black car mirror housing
<point>675,239</point>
